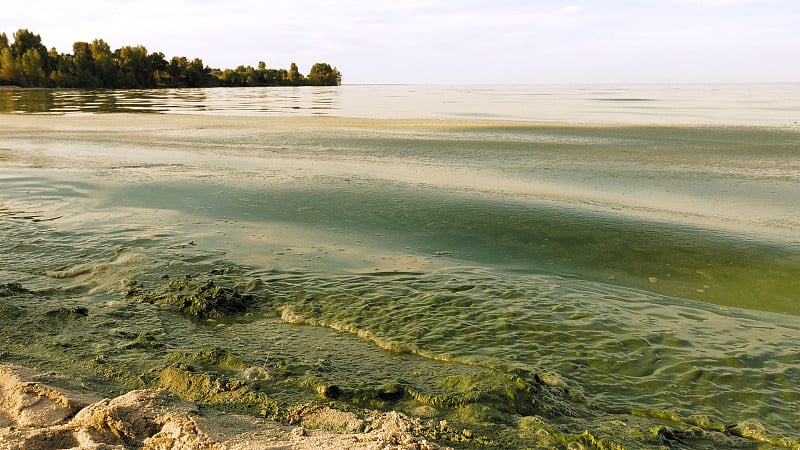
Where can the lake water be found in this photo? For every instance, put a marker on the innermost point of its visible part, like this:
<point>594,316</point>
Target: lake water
<point>540,266</point>
<point>739,104</point>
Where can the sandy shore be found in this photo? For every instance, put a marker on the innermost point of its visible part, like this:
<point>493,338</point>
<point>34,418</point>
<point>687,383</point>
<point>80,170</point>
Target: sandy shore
<point>34,415</point>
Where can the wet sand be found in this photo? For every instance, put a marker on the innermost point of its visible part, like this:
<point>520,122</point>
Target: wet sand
<point>37,416</point>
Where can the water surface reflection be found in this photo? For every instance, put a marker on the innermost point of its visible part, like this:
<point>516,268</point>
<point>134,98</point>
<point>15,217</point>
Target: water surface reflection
<point>774,104</point>
<point>303,101</point>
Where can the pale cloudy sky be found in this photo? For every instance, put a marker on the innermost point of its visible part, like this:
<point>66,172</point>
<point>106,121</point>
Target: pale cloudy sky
<point>447,41</point>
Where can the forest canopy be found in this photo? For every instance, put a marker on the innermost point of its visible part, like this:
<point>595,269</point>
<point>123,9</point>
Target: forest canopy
<point>26,62</point>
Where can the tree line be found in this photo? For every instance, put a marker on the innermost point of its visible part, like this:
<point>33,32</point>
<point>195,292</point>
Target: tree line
<point>26,62</point>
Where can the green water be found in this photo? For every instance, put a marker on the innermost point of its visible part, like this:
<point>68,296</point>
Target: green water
<point>373,266</point>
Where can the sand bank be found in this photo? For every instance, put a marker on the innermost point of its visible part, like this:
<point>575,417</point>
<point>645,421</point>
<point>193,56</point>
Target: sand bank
<point>35,415</point>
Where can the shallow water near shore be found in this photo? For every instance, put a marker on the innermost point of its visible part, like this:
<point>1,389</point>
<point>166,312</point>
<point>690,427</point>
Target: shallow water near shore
<point>531,284</point>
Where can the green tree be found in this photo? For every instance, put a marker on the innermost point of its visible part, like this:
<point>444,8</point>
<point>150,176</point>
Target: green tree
<point>174,70</point>
<point>197,73</point>
<point>24,40</point>
<point>63,73</point>
<point>51,62</point>
<point>295,77</point>
<point>234,77</point>
<point>185,73</point>
<point>135,69</point>
<point>25,61</point>
<point>157,62</point>
<point>271,77</point>
<point>250,76</point>
<point>159,66</point>
<point>260,74</point>
<point>322,74</point>
<point>10,72</point>
<point>83,66</point>
<point>228,77</point>
<point>283,77</point>
<point>105,68</point>
<point>32,70</point>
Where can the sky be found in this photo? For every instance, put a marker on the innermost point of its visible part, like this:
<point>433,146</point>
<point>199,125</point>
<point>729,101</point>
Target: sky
<point>446,41</point>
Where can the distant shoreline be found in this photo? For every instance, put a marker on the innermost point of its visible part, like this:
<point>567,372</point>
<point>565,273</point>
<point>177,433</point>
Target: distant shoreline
<point>26,61</point>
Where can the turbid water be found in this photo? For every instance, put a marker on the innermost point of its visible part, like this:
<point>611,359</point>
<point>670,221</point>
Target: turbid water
<point>558,284</point>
